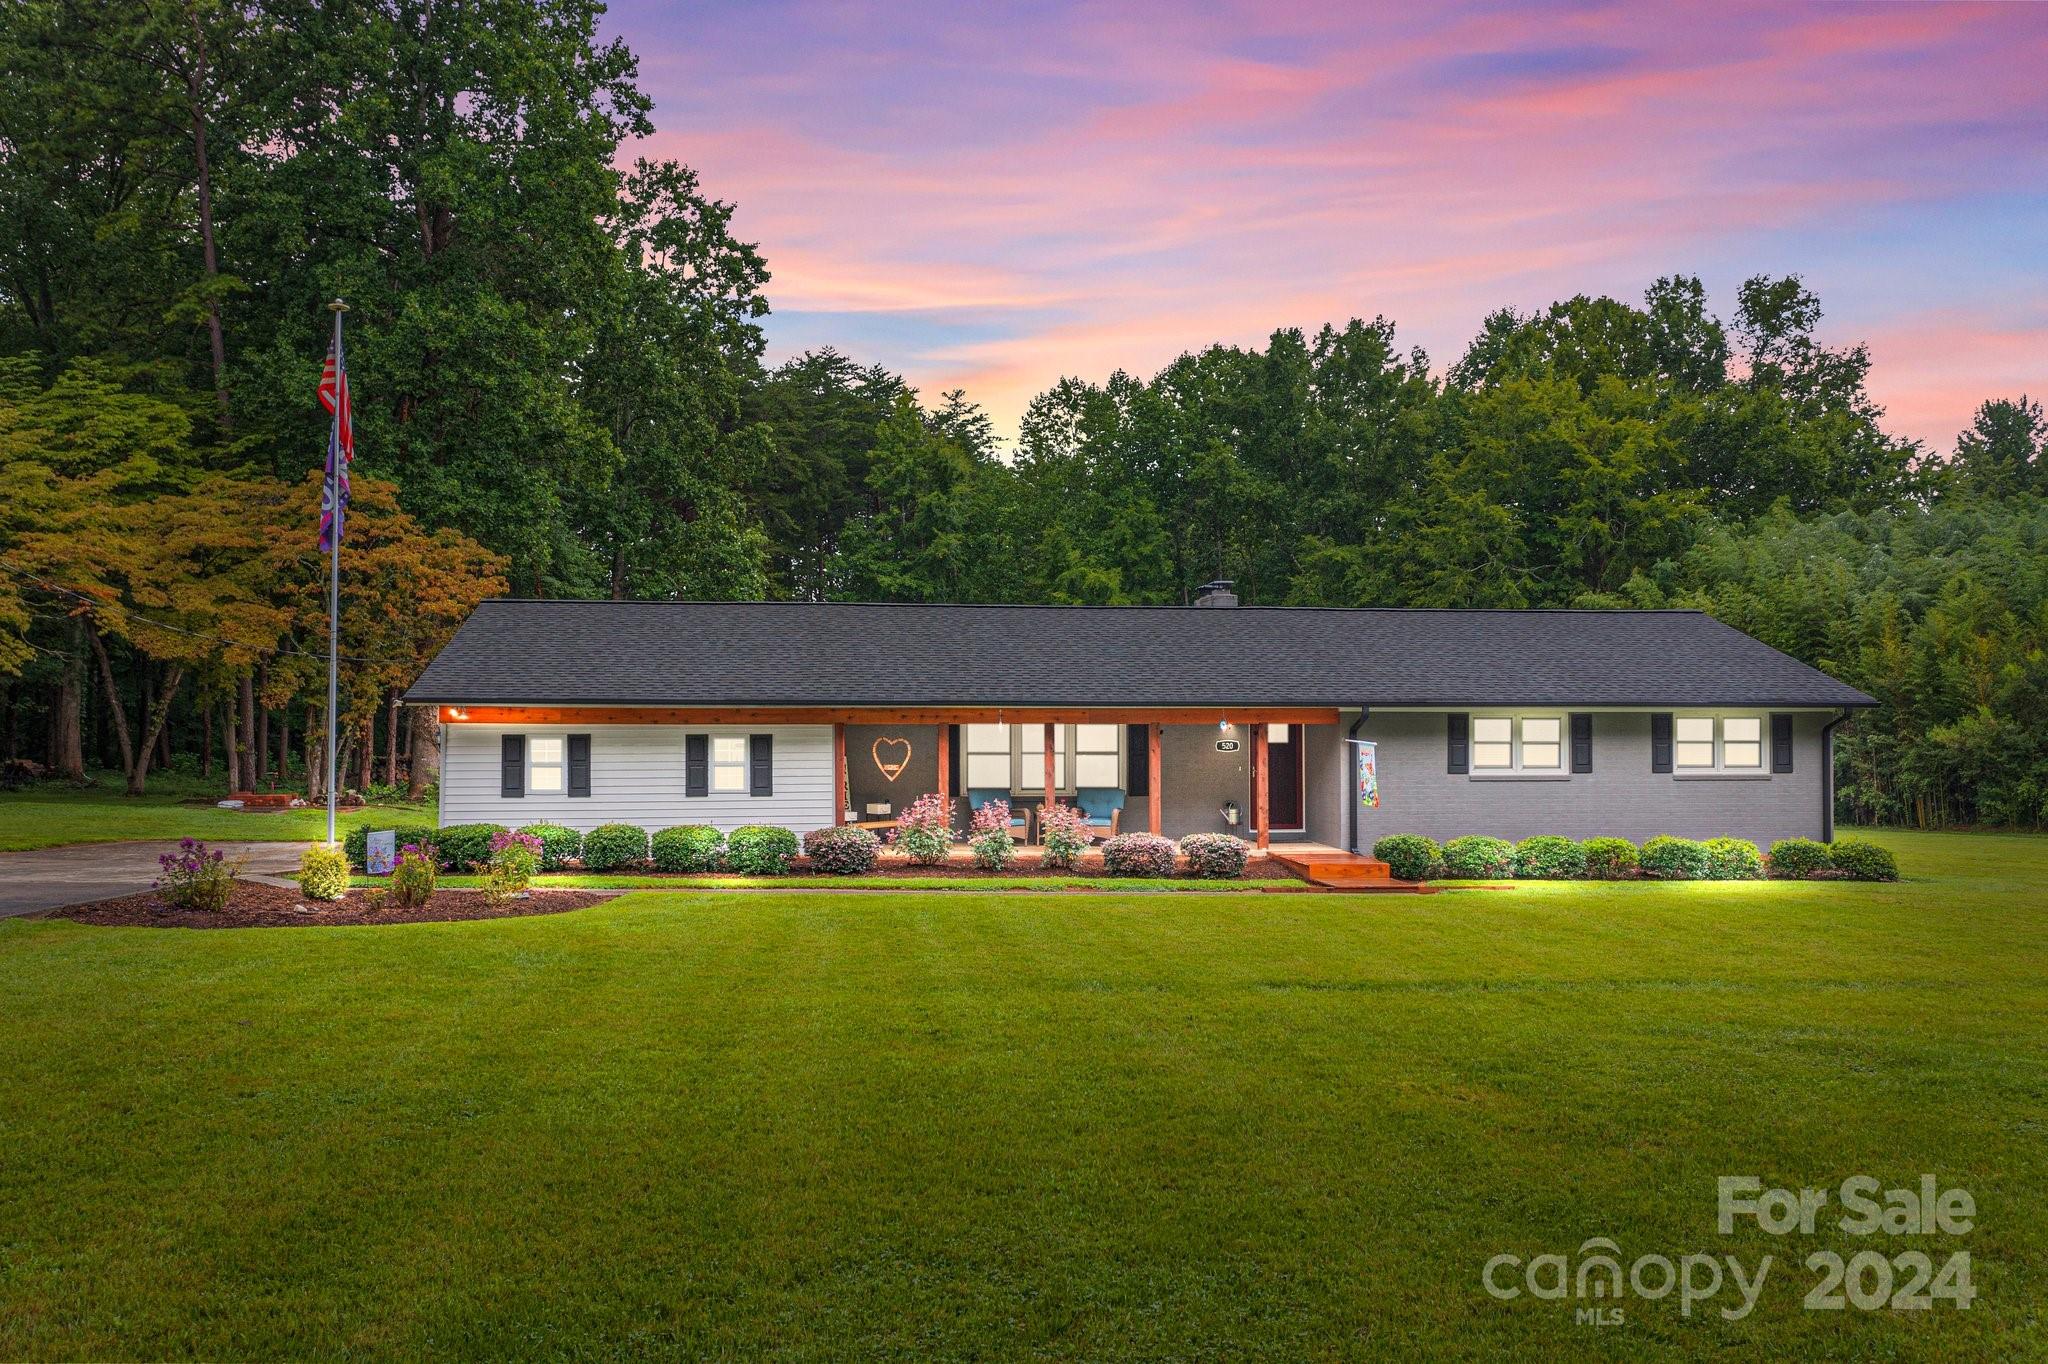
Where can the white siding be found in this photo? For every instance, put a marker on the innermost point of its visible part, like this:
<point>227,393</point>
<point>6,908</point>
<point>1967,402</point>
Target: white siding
<point>636,777</point>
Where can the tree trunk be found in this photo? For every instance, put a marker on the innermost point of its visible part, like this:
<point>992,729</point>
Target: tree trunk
<point>99,651</point>
<point>262,729</point>
<point>245,762</point>
<point>206,739</point>
<point>284,745</point>
<point>426,752</point>
<point>152,727</point>
<point>316,766</point>
<point>367,768</point>
<point>195,90</point>
<point>391,741</point>
<point>68,748</point>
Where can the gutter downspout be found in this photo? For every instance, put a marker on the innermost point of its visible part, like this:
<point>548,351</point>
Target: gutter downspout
<point>1827,774</point>
<point>1350,758</point>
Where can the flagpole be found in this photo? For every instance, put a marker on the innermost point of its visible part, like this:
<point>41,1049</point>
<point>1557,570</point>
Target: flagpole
<point>334,477</point>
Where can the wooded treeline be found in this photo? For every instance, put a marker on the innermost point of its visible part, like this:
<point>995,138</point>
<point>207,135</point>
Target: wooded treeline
<point>560,387</point>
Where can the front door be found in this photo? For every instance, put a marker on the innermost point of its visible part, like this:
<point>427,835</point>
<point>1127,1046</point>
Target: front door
<point>1283,770</point>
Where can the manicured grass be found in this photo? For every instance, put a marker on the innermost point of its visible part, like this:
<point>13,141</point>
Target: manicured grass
<point>1097,1127</point>
<point>52,814</point>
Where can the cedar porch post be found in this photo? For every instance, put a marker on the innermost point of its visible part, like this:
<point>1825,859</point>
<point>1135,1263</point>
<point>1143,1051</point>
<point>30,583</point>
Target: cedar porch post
<point>1260,783</point>
<point>1152,769</point>
<point>839,774</point>
<point>1048,767</point>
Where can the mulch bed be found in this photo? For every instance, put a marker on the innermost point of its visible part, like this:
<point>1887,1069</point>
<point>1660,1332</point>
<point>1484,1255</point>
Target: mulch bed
<point>251,905</point>
<point>1028,865</point>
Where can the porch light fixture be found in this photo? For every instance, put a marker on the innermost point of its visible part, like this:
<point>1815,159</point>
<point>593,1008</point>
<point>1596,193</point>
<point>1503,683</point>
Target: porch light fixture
<point>457,713</point>
<point>1223,725</point>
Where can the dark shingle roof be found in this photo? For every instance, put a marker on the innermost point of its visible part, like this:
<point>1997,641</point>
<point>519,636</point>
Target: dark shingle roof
<point>852,654</point>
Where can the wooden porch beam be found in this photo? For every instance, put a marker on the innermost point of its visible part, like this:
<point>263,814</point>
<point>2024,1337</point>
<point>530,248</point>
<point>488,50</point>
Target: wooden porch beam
<point>1048,766</point>
<point>945,776</point>
<point>1261,786</point>
<point>879,715</point>
<point>1152,773</point>
<point>839,774</point>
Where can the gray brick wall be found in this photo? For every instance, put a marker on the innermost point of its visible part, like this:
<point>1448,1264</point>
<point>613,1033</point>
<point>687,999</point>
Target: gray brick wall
<point>1620,796</point>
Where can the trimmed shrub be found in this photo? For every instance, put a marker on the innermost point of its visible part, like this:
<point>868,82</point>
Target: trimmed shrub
<point>841,850</point>
<point>1476,857</point>
<point>1063,834</point>
<point>1138,855</point>
<point>925,830</point>
<point>1733,859</point>
<point>1217,857</point>
<point>760,850</point>
<point>989,835</point>
<point>1547,857</point>
<point>688,848</point>
<point>1408,856</point>
<point>1674,859</point>
<point>1861,861</point>
<point>412,880</point>
<point>1609,859</point>
<point>1795,859</point>
<point>356,842</point>
<point>323,873</point>
<point>466,846</point>
<point>615,847</point>
<point>195,877</point>
<point>559,844</point>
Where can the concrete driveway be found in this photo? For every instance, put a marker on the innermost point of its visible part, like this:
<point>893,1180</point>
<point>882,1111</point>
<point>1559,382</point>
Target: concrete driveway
<point>49,877</point>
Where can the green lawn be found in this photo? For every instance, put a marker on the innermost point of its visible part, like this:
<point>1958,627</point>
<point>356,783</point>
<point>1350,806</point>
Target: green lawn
<point>1089,1127</point>
<point>52,814</point>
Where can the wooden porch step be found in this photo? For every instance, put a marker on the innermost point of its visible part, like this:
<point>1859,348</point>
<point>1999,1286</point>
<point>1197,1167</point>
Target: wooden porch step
<point>1341,870</point>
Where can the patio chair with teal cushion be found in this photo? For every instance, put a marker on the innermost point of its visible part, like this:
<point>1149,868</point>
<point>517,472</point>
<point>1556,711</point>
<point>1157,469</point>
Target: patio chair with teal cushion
<point>1104,808</point>
<point>1020,817</point>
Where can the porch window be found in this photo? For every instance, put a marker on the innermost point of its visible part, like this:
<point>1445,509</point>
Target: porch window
<point>545,765</point>
<point>729,762</point>
<point>1012,757</point>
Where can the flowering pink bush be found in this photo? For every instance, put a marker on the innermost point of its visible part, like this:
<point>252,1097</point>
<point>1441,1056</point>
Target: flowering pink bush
<point>989,835</point>
<point>413,876</point>
<point>1063,832</point>
<point>1138,855</point>
<point>925,830</point>
<point>514,859</point>
<point>1215,855</point>
<point>195,877</point>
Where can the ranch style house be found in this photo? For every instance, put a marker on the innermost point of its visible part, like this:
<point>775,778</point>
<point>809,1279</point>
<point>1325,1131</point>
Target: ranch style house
<point>1214,717</point>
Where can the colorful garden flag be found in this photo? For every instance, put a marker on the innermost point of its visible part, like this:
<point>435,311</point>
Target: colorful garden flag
<point>1368,774</point>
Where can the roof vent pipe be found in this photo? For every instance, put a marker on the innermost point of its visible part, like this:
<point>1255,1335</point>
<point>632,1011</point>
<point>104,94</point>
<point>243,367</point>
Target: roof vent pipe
<point>1216,593</point>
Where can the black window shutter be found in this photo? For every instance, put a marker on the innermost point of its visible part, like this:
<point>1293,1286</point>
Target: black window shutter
<point>1660,743</point>
<point>1582,742</point>
<point>953,758</point>
<point>697,765</point>
<point>1137,760</point>
<point>1781,743</point>
<point>1459,755</point>
<point>512,765</point>
<point>579,764</point>
<point>761,753</point>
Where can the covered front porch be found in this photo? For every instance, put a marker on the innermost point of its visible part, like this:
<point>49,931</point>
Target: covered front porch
<point>1261,773</point>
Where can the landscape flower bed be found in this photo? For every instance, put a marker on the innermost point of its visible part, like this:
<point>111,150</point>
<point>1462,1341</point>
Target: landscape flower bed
<point>1411,857</point>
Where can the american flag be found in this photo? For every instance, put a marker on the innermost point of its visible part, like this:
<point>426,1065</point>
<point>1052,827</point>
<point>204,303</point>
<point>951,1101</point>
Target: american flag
<point>341,446</point>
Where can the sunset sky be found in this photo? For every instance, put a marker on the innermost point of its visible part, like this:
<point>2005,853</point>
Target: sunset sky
<point>992,196</point>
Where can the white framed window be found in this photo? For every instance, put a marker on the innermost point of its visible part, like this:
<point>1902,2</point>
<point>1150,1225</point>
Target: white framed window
<point>1704,743</point>
<point>987,749</point>
<point>1742,742</point>
<point>1542,743</point>
<point>1098,755</point>
<point>729,762</point>
<point>1493,743</point>
<point>1692,738</point>
<point>1517,743</point>
<point>546,765</point>
<point>1012,757</point>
